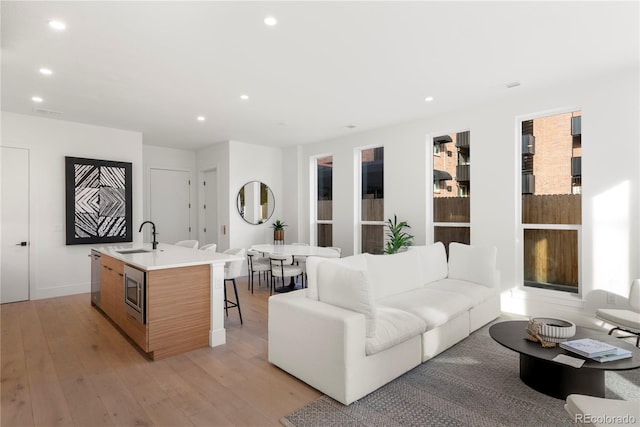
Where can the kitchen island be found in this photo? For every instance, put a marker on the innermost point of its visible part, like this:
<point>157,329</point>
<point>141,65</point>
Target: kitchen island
<point>180,296</point>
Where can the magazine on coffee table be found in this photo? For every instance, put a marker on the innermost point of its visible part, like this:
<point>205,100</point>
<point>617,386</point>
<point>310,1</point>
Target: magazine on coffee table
<point>588,347</point>
<point>618,354</point>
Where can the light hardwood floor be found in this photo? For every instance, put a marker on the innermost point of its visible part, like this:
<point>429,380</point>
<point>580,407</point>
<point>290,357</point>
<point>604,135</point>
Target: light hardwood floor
<point>64,363</point>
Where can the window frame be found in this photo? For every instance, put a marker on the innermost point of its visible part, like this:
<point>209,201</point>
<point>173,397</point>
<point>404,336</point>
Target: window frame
<point>314,221</point>
<point>357,235</point>
<point>521,227</point>
<point>433,191</point>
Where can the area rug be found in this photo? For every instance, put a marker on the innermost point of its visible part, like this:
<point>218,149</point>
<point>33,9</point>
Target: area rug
<point>474,383</point>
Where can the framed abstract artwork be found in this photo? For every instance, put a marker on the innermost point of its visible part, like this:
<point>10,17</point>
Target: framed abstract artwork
<point>98,201</point>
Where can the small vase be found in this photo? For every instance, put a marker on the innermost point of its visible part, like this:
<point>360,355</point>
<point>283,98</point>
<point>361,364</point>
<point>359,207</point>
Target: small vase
<point>278,237</point>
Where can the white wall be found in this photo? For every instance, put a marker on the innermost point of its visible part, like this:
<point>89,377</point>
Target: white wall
<point>171,159</point>
<point>216,157</point>
<point>249,162</point>
<point>610,247</point>
<point>57,269</point>
<point>238,163</point>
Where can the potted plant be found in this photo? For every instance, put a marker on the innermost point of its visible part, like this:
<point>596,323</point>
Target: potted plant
<point>397,238</point>
<point>278,231</point>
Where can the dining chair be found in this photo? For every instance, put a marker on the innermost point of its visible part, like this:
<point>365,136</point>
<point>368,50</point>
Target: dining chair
<point>232,270</point>
<point>282,266</point>
<point>193,244</point>
<point>337,249</point>
<point>301,261</point>
<point>209,247</point>
<point>257,264</point>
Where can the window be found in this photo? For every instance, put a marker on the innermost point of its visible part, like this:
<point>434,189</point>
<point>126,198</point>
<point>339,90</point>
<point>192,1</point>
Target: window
<point>452,189</point>
<point>372,200</point>
<point>551,202</point>
<point>324,200</point>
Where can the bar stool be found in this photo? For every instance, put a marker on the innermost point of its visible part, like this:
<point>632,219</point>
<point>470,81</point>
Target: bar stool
<point>232,270</point>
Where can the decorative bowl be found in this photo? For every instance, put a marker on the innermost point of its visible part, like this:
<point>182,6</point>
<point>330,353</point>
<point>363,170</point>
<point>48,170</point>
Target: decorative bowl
<point>555,330</point>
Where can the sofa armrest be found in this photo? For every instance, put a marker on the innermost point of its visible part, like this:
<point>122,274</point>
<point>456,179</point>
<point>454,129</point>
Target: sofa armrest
<point>316,342</point>
<point>301,324</point>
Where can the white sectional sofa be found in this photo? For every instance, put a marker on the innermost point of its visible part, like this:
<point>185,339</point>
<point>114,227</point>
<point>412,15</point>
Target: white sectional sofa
<point>367,319</point>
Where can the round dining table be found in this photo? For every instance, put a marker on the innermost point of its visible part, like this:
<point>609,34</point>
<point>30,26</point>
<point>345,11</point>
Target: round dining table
<point>295,250</point>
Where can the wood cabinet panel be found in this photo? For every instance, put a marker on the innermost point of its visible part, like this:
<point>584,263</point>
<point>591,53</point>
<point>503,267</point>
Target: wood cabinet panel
<point>135,330</point>
<point>178,309</point>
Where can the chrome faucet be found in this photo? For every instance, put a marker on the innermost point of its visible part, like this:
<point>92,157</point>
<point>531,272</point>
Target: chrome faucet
<point>154,244</point>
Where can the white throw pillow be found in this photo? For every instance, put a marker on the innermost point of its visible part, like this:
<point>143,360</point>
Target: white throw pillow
<point>473,263</point>
<point>394,274</point>
<point>433,261</point>
<point>348,288</point>
<point>357,262</point>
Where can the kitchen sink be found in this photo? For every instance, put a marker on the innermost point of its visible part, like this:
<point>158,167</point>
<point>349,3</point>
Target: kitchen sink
<point>132,251</point>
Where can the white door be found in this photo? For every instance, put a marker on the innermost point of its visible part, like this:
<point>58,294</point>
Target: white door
<point>170,204</point>
<point>14,277</point>
<point>210,207</point>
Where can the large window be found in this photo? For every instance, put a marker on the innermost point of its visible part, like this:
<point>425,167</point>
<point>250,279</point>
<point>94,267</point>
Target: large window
<point>372,200</point>
<point>551,201</point>
<point>451,188</point>
<point>324,200</point>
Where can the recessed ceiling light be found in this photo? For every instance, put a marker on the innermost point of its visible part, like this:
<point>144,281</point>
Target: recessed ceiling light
<point>512,84</point>
<point>350,126</point>
<point>57,25</point>
<point>46,71</point>
<point>270,21</point>
<point>244,97</point>
<point>36,99</point>
<point>201,118</point>
<point>428,99</point>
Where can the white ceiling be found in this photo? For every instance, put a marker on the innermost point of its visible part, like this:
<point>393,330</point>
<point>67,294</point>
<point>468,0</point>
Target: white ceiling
<point>153,67</point>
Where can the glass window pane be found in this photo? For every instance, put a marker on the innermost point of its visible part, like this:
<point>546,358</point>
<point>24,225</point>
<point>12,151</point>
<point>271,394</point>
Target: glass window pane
<point>325,235</point>
<point>452,177</point>
<point>372,239</point>
<point>551,259</point>
<point>447,235</point>
<point>325,188</point>
<point>551,169</point>
<point>373,184</point>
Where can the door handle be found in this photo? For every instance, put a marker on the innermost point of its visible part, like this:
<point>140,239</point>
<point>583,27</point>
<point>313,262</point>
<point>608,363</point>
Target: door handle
<point>21,244</point>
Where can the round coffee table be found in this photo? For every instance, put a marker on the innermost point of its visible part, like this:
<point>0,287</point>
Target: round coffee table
<point>540,372</point>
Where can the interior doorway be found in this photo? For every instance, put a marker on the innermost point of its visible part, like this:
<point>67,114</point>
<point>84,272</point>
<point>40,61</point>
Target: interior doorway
<point>170,204</point>
<point>14,229</point>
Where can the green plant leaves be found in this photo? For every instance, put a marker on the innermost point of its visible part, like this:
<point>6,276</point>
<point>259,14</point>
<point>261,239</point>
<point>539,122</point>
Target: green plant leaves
<point>397,238</point>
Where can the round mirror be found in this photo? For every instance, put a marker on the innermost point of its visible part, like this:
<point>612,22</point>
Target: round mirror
<point>255,202</point>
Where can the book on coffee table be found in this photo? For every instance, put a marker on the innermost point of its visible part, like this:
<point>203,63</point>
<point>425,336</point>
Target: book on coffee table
<point>588,347</point>
<point>618,354</point>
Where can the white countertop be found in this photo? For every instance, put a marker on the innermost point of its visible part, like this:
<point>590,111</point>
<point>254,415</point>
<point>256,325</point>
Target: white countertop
<point>166,256</point>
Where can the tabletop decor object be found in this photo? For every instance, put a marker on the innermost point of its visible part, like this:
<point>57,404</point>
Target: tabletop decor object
<point>549,331</point>
<point>278,232</point>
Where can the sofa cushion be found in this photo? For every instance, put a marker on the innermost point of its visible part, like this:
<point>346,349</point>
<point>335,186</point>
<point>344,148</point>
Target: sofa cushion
<point>393,327</point>
<point>433,261</point>
<point>393,274</point>
<point>433,306</point>
<point>476,293</point>
<point>357,262</point>
<point>473,263</point>
<point>348,288</point>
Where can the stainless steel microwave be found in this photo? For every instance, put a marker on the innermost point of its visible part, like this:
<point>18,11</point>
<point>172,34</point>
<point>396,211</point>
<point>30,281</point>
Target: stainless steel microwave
<point>135,293</point>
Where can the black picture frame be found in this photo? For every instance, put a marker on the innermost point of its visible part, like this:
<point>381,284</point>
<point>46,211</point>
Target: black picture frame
<point>98,201</point>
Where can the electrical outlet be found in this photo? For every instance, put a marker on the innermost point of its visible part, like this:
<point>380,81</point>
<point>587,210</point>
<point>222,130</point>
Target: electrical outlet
<point>611,298</point>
